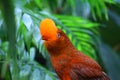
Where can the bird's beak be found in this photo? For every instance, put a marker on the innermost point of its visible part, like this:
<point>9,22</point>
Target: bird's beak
<point>44,38</point>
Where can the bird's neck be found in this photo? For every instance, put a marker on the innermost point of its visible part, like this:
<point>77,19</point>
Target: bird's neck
<point>65,49</point>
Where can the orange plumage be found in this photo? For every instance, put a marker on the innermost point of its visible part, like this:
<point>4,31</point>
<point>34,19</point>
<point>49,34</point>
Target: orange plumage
<point>68,62</point>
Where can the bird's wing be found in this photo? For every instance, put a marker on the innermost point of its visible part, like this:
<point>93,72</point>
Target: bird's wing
<point>84,68</point>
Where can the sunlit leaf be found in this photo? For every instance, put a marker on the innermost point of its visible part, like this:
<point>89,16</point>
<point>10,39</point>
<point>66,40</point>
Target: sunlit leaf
<point>32,53</point>
<point>27,21</point>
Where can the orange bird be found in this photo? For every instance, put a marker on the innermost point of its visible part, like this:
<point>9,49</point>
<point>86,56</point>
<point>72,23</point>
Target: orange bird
<point>67,61</point>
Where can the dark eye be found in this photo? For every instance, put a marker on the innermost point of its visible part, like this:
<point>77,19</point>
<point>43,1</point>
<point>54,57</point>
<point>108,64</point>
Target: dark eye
<point>58,35</point>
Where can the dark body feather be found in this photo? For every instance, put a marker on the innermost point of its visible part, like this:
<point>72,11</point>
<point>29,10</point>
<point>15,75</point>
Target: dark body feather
<point>71,64</point>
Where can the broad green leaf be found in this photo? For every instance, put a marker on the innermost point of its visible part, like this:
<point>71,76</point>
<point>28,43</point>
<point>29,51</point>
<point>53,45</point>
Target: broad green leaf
<point>25,72</point>
<point>110,60</point>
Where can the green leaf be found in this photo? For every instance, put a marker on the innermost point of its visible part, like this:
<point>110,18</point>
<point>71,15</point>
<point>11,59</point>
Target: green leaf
<point>97,7</point>
<point>28,35</point>
<point>72,3</point>
<point>4,46</point>
<point>110,60</point>
<point>40,73</point>
<point>27,21</point>
<point>22,30</point>
<point>47,77</point>
<point>72,21</point>
<point>25,72</point>
<point>2,55</point>
<point>36,36</point>
<point>37,75</point>
<point>28,39</point>
<point>32,53</point>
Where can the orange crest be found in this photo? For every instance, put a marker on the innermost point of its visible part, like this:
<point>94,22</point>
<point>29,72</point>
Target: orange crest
<point>48,29</point>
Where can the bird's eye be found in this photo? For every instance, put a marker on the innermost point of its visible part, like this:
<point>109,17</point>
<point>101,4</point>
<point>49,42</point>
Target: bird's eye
<point>58,35</point>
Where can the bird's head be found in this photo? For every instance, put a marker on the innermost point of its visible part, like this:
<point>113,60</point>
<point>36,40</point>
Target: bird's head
<point>48,30</point>
<point>54,37</point>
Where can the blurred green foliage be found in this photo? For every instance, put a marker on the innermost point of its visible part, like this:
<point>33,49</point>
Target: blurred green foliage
<point>92,25</point>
